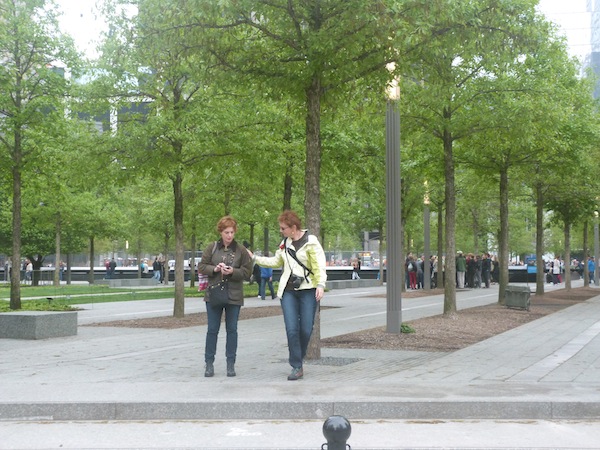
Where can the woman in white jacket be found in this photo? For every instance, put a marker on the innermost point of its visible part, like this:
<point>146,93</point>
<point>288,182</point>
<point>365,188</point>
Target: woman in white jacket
<point>301,285</point>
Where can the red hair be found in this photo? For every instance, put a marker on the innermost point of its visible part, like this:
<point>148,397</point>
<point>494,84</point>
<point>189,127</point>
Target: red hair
<point>290,218</point>
<point>226,222</point>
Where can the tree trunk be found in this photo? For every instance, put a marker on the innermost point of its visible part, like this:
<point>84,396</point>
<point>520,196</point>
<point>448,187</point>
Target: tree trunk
<point>68,269</point>
<point>474,214</point>
<point>312,183</point>
<point>15,279</point>
<point>92,257</point>
<point>540,278</point>
<point>312,189</point>
<point>165,257</point>
<point>381,274</point>
<point>586,255</point>
<point>567,258</point>
<point>179,304</point>
<point>503,238</point>
<point>288,183</point>
<point>265,240</point>
<point>194,245</point>
<point>252,236</point>
<point>36,262</point>
<point>57,252</point>
<point>450,200</point>
<point>440,246</point>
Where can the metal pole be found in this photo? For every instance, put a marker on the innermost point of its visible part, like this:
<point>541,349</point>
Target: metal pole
<point>596,252</point>
<point>426,250</point>
<point>394,237</point>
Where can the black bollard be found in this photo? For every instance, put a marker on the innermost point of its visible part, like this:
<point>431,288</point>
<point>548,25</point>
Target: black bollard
<point>336,430</point>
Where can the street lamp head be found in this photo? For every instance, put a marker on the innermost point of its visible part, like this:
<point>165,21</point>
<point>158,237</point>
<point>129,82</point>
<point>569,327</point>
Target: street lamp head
<point>393,88</point>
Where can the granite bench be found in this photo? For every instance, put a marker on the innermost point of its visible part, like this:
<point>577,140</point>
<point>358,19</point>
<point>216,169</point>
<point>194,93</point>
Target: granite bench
<point>128,282</point>
<point>345,284</point>
<point>37,324</point>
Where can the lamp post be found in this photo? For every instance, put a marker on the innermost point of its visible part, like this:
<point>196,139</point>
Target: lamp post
<point>394,226</point>
<point>596,250</point>
<point>426,250</point>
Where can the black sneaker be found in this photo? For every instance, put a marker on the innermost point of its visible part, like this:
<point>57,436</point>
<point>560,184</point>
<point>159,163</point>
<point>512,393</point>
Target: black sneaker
<point>209,371</point>
<point>230,369</point>
<point>296,374</point>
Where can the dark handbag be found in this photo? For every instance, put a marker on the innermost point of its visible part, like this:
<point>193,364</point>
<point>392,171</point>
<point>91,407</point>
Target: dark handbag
<point>218,294</point>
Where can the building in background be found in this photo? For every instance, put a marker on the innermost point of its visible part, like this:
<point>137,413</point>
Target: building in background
<point>593,59</point>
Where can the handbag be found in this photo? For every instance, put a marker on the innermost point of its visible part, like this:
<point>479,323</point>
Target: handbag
<point>202,282</point>
<point>218,294</point>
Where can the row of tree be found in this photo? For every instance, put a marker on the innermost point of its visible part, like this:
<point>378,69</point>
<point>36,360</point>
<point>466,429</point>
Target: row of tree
<point>250,107</point>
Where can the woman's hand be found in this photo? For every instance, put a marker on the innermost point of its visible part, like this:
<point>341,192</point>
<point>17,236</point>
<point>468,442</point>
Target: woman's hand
<point>319,293</point>
<point>226,270</point>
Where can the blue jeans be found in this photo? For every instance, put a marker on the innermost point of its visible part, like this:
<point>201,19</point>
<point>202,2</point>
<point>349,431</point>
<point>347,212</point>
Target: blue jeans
<point>299,308</point>
<point>232,313</point>
<point>262,288</point>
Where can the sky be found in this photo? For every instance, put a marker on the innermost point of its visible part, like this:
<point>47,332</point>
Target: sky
<point>574,22</point>
<point>81,21</point>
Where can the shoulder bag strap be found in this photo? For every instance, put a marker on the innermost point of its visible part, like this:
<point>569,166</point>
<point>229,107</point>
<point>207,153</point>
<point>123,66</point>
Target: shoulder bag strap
<point>293,255</point>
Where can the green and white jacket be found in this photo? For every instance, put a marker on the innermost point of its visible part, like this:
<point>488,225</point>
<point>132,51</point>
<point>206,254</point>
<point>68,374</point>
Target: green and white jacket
<point>311,254</point>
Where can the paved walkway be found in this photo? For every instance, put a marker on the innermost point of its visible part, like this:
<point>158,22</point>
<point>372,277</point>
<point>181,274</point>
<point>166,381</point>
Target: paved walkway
<point>548,369</point>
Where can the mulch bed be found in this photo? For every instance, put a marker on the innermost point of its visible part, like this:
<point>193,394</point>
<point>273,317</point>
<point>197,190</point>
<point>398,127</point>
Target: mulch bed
<point>468,326</point>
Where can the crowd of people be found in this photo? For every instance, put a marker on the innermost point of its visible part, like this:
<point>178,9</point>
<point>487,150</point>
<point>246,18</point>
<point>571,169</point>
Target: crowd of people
<point>480,271</point>
<point>472,271</point>
<point>555,268</point>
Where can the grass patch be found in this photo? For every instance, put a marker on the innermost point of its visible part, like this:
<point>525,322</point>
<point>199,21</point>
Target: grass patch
<point>60,298</point>
<point>37,305</point>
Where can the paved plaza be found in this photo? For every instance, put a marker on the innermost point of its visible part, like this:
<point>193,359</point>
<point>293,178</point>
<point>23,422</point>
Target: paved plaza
<point>545,372</point>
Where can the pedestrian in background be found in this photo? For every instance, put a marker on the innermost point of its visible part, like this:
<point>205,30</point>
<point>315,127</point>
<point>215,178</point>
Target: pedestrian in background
<point>111,268</point>
<point>356,269</point>
<point>461,268</point>
<point>256,277</point>
<point>163,269</point>
<point>556,278</point>
<point>486,269</point>
<point>156,269</point>
<point>266,278</point>
<point>29,271</point>
<point>7,269</point>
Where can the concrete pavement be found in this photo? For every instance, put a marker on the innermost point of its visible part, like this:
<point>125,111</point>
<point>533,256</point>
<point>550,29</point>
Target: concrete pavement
<point>546,370</point>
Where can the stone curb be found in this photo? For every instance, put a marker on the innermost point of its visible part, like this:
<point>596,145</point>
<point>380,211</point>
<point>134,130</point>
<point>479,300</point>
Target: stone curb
<point>291,410</point>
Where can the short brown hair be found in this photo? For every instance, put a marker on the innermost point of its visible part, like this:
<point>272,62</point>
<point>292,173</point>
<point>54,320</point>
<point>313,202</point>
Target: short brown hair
<point>226,222</point>
<point>290,218</point>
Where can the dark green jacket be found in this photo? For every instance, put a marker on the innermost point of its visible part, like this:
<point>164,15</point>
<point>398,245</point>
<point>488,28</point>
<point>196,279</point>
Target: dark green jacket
<point>235,256</point>
<point>461,264</point>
